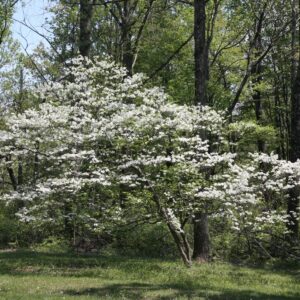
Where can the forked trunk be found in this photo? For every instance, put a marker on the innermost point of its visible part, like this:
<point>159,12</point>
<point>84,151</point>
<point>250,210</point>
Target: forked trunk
<point>178,235</point>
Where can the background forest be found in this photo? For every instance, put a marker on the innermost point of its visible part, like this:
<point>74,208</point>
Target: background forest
<point>197,158</point>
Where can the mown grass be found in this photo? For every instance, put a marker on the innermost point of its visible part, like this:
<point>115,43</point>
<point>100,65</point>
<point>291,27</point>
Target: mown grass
<point>31,275</point>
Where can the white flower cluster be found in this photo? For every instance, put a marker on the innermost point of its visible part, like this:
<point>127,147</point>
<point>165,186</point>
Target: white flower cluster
<point>98,129</point>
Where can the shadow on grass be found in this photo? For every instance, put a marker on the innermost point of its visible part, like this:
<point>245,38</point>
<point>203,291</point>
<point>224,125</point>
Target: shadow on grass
<point>77,265</point>
<point>137,290</point>
<point>136,273</point>
<point>22,263</point>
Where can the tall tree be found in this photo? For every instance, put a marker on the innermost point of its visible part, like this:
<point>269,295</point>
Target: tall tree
<point>131,17</point>
<point>86,14</point>
<point>200,52</point>
<point>201,230</point>
<point>293,202</point>
<point>256,73</point>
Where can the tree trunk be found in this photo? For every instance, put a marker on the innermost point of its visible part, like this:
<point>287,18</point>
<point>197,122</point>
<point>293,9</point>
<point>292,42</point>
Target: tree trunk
<point>178,235</point>
<point>201,234</point>
<point>201,238</point>
<point>86,13</point>
<point>293,42</point>
<point>127,51</point>
<point>293,201</point>
<point>200,52</point>
<point>11,173</point>
<point>256,72</point>
<point>176,229</point>
<point>279,123</point>
<point>126,38</point>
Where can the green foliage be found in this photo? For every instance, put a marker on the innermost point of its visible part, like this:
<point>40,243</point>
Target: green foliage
<point>8,230</point>
<point>244,134</point>
<point>52,244</point>
<point>147,240</point>
<point>174,28</point>
<point>170,24</point>
<point>6,11</point>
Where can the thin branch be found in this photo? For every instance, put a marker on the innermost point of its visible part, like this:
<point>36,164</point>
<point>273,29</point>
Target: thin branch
<point>176,52</point>
<point>252,65</point>
<point>141,30</point>
<point>38,33</point>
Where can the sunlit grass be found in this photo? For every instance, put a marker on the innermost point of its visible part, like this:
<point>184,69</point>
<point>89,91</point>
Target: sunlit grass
<point>29,275</point>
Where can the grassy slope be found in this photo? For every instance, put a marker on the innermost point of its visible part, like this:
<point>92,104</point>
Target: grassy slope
<point>28,275</point>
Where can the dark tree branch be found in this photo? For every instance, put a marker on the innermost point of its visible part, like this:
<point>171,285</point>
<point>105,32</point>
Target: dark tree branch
<point>171,57</point>
<point>252,65</point>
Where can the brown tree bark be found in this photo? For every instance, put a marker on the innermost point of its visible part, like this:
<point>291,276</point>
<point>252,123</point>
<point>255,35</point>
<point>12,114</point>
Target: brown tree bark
<point>201,238</point>
<point>200,52</point>
<point>293,201</point>
<point>11,174</point>
<point>256,73</point>
<point>127,14</point>
<point>86,14</point>
<point>179,236</point>
<point>200,222</point>
<point>127,51</point>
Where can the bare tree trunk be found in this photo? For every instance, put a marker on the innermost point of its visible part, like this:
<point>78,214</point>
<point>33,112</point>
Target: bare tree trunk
<point>201,238</point>
<point>293,41</point>
<point>256,72</point>
<point>200,52</point>
<point>86,13</point>
<point>200,222</point>
<point>127,50</point>
<point>279,123</point>
<point>11,174</point>
<point>293,201</point>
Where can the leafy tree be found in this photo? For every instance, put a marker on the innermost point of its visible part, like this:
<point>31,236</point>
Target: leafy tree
<point>6,10</point>
<point>103,129</point>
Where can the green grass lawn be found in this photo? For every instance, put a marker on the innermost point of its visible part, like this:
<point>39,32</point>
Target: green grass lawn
<point>30,275</point>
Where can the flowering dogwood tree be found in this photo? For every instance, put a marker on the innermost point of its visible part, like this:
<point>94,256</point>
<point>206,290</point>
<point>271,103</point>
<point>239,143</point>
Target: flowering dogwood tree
<point>105,149</point>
